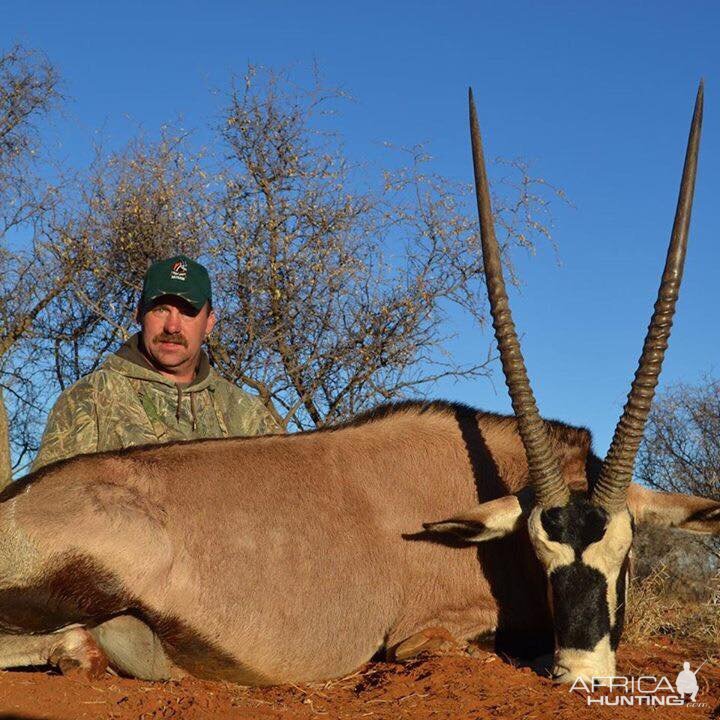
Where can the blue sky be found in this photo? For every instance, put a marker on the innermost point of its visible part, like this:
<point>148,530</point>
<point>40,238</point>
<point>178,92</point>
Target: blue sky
<point>598,95</point>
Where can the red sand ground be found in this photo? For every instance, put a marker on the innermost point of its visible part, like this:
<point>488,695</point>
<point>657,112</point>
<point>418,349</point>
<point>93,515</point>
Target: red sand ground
<point>454,685</point>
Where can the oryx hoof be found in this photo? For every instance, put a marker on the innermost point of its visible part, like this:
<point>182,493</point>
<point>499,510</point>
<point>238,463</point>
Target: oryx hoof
<point>78,655</point>
<point>430,640</point>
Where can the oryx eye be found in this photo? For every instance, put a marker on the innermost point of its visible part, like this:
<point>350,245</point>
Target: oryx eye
<point>594,526</point>
<point>553,521</point>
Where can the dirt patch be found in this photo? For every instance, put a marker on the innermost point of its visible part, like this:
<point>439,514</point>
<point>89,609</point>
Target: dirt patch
<point>455,685</point>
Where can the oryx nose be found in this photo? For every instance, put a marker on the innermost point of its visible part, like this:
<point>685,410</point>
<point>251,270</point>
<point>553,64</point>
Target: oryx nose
<point>561,674</point>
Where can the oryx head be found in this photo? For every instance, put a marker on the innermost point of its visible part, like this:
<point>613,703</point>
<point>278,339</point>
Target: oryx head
<point>582,539</point>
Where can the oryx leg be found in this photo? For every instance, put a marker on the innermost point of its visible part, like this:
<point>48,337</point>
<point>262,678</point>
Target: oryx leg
<point>72,650</point>
<point>133,649</point>
<point>434,639</point>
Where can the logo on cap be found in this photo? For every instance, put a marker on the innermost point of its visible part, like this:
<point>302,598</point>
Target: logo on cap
<point>179,270</point>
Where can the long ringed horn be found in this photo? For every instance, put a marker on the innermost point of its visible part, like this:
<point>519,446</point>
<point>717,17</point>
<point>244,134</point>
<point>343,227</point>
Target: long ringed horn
<point>543,466</point>
<point>610,491</point>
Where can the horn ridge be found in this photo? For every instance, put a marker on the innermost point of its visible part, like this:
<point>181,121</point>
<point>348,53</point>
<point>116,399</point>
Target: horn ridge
<point>616,474</point>
<point>543,466</point>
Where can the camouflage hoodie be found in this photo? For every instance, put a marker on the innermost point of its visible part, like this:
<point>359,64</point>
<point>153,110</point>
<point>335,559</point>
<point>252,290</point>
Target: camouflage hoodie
<point>126,402</point>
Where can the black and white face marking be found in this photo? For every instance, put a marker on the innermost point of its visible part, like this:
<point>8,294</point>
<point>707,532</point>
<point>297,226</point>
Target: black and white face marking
<point>584,551</point>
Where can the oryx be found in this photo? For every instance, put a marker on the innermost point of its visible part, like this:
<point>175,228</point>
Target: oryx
<point>298,558</point>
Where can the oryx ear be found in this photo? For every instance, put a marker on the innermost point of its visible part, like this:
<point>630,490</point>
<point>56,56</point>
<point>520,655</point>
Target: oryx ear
<point>686,512</point>
<point>493,519</point>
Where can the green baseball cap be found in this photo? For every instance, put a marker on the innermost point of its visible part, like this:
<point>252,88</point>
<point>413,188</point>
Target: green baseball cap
<point>179,276</point>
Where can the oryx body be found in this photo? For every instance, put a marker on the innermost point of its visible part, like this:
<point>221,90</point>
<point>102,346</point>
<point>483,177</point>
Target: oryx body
<point>298,558</point>
<point>280,558</point>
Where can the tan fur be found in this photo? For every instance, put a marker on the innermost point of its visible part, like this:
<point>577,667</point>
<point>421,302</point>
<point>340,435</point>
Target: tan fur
<point>570,444</point>
<point>686,512</point>
<point>491,520</point>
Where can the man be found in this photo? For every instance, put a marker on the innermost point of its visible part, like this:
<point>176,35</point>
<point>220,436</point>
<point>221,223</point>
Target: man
<point>158,386</point>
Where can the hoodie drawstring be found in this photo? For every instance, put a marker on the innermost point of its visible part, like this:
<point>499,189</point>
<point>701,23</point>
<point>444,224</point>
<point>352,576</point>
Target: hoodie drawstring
<point>193,411</point>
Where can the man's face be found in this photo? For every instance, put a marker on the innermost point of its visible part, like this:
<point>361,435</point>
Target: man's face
<point>173,332</point>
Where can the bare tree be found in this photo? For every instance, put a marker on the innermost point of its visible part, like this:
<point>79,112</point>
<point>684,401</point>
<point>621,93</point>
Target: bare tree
<point>29,278</point>
<point>335,291</point>
<point>681,448</point>
<point>28,92</point>
<point>681,453</point>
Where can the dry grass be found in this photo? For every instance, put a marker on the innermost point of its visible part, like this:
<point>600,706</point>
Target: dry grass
<point>653,611</point>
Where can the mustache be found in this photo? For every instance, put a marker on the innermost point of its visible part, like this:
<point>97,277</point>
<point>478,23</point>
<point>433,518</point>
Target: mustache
<point>176,339</point>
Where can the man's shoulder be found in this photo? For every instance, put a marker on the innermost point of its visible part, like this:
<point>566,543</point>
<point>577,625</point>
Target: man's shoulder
<point>226,389</point>
<point>99,382</point>
<point>83,387</point>
<point>244,414</point>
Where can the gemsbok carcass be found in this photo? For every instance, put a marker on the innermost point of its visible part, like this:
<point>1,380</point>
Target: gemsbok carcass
<point>298,558</point>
